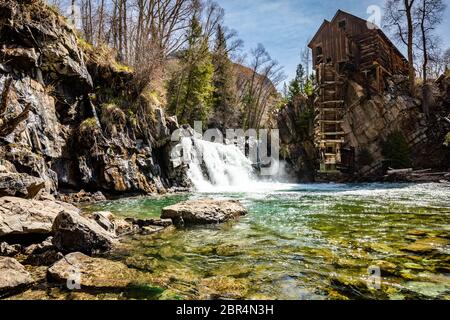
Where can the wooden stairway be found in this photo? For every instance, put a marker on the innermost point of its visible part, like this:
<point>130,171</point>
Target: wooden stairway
<point>329,135</point>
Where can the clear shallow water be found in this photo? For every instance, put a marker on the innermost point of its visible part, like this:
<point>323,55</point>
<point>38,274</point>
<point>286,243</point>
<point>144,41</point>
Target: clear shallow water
<point>305,241</point>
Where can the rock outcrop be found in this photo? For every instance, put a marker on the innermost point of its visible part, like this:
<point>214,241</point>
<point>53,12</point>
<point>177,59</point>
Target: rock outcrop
<point>205,211</point>
<point>81,197</point>
<point>73,232</point>
<point>296,141</point>
<point>20,185</point>
<point>73,120</point>
<point>24,218</point>
<point>369,124</point>
<point>13,276</point>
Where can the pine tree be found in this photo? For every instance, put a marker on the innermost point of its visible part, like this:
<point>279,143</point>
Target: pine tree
<point>297,85</point>
<point>223,80</point>
<point>191,88</point>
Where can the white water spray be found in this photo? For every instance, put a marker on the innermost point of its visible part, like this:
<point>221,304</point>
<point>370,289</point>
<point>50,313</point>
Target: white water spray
<point>217,167</point>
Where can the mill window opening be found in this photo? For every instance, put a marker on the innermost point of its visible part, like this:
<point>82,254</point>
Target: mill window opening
<point>318,50</point>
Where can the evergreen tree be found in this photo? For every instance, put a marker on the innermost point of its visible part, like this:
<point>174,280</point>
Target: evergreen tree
<point>224,84</point>
<point>190,89</point>
<point>297,85</point>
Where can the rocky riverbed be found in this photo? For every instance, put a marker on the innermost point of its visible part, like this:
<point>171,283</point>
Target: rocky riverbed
<point>51,243</point>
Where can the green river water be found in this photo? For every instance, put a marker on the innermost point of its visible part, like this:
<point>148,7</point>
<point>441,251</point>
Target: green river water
<point>306,241</point>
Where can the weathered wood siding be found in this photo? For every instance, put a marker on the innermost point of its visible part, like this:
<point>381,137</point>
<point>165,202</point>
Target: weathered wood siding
<point>342,43</point>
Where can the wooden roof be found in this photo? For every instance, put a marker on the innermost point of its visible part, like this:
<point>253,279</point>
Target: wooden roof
<point>360,20</point>
<point>324,23</point>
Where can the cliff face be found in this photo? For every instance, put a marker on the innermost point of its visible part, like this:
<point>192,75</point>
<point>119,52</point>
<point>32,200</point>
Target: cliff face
<point>381,131</point>
<point>60,118</point>
<point>371,123</point>
<point>296,141</point>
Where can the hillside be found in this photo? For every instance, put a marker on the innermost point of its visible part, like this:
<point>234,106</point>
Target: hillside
<point>71,117</point>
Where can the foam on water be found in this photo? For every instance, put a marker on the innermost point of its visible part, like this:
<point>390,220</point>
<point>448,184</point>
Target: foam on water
<point>216,167</point>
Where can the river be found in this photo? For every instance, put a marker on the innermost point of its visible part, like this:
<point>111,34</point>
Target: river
<point>302,241</point>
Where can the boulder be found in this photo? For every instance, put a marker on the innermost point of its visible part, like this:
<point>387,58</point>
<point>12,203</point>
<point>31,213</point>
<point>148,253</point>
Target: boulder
<point>141,223</point>
<point>20,185</point>
<point>94,272</point>
<point>73,232</point>
<point>9,250</point>
<point>429,245</point>
<point>205,211</point>
<point>22,217</point>
<point>82,196</point>
<point>42,254</point>
<point>104,220</point>
<point>13,277</point>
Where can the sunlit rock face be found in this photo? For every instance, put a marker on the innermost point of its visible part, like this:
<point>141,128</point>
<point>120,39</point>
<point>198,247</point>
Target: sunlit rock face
<point>69,138</point>
<point>23,218</point>
<point>13,276</point>
<point>204,211</point>
<point>369,121</point>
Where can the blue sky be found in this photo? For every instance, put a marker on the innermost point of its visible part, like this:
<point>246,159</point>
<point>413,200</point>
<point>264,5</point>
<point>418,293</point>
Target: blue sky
<point>285,26</point>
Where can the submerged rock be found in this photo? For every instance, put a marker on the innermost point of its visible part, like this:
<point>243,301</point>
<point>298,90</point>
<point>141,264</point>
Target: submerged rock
<point>427,289</point>
<point>387,268</point>
<point>73,232</point>
<point>427,245</point>
<point>223,287</point>
<point>13,276</point>
<point>95,272</point>
<point>21,217</point>
<point>205,211</point>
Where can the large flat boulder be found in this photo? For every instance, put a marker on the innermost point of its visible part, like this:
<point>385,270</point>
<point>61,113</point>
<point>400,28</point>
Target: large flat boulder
<point>13,276</point>
<point>26,217</point>
<point>204,211</point>
<point>73,232</point>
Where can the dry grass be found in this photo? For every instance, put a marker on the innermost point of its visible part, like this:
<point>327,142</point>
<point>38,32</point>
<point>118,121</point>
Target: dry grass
<point>113,118</point>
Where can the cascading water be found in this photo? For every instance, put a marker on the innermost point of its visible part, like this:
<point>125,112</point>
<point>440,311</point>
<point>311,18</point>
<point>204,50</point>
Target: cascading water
<point>216,167</point>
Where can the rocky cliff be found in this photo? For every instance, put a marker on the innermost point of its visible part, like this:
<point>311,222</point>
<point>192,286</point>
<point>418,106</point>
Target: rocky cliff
<point>391,129</point>
<point>297,140</point>
<point>382,130</point>
<point>68,116</point>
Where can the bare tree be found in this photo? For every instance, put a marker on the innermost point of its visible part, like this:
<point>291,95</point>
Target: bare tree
<point>266,74</point>
<point>399,18</point>
<point>439,61</point>
<point>428,15</point>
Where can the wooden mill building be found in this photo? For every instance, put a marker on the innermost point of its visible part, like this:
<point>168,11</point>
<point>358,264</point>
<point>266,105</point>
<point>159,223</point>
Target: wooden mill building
<point>347,46</point>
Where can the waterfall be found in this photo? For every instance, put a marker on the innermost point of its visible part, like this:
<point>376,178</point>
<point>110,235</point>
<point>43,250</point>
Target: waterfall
<point>217,167</point>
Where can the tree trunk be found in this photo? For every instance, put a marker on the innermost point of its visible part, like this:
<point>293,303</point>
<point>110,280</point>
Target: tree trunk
<point>425,88</point>
<point>412,73</point>
<point>100,23</point>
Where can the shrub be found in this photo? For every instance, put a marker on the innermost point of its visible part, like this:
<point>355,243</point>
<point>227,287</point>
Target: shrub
<point>113,118</point>
<point>447,140</point>
<point>395,151</point>
<point>365,158</point>
<point>89,127</point>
